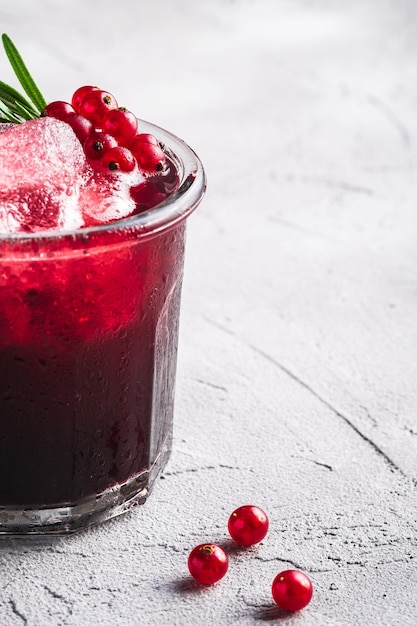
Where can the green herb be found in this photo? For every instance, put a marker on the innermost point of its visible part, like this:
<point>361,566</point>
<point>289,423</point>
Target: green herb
<point>14,107</point>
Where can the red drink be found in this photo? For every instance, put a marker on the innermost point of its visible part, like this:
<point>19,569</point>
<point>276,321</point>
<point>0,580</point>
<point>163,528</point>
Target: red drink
<point>88,341</point>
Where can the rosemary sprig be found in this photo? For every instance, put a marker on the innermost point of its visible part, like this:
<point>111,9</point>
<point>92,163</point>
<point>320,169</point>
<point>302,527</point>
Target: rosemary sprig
<point>14,107</point>
<point>6,115</point>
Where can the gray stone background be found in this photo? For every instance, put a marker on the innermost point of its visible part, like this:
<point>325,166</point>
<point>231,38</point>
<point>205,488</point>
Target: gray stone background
<point>297,371</point>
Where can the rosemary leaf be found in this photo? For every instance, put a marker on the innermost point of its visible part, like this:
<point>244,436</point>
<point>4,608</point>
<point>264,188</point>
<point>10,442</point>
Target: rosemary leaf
<point>11,96</point>
<point>23,75</point>
<point>8,115</point>
<point>23,111</point>
<point>18,109</point>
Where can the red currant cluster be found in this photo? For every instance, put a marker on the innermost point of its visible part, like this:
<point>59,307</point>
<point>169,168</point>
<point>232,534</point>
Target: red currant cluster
<point>108,133</point>
<point>292,590</point>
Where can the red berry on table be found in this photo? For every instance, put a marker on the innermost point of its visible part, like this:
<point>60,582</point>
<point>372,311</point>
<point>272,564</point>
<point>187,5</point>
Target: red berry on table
<point>120,123</point>
<point>95,105</point>
<point>148,153</point>
<point>208,563</point>
<point>118,159</point>
<point>81,126</point>
<point>58,109</point>
<point>248,525</point>
<point>79,95</point>
<point>98,144</point>
<point>292,590</point>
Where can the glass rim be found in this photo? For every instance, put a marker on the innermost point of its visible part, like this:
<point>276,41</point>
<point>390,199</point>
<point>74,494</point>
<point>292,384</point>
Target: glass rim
<point>175,208</point>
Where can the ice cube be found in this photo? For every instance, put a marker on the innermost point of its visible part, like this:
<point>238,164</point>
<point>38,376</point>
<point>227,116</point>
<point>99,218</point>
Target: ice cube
<point>46,183</point>
<point>42,170</point>
<point>106,197</point>
<point>5,126</point>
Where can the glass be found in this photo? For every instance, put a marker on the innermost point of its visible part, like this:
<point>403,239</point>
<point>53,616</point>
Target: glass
<point>88,343</point>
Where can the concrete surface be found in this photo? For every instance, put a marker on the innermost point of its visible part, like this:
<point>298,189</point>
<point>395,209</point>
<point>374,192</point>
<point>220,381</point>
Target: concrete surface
<point>297,366</point>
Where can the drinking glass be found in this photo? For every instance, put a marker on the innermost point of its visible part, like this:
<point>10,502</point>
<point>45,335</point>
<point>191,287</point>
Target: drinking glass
<point>88,347</point>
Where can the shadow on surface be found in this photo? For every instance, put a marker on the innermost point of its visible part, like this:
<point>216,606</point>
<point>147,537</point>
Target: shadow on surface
<point>273,612</point>
<point>231,547</point>
<point>189,585</point>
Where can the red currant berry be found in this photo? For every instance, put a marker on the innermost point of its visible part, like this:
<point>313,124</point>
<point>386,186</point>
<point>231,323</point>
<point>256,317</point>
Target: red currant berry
<point>79,95</point>
<point>248,525</point>
<point>81,126</point>
<point>120,123</point>
<point>95,105</point>
<point>292,590</point>
<point>148,153</point>
<point>97,144</point>
<point>155,189</point>
<point>118,159</point>
<point>58,109</point>
<point>143,138</point>
<point>208,563</point>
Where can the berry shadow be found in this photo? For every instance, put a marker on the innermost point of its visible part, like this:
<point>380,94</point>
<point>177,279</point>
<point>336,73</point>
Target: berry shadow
<point>274,612</point>
<point>188,585</point>
<point>233,548</point>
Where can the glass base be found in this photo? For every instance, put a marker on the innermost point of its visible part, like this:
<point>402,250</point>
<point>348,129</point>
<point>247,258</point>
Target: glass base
<point>65,519</point>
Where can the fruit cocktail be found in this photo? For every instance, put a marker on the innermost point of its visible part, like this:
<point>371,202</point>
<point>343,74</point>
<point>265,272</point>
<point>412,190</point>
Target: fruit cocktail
<point>93,208</point>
